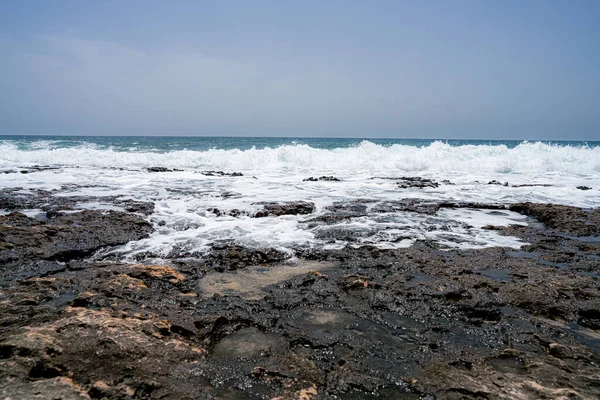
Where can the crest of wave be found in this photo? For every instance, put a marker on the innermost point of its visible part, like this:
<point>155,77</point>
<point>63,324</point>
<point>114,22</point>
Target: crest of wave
<point>367,157</point>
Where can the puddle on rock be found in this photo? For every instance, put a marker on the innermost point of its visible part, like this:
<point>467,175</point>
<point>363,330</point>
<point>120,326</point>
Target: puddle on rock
<point>250,282</point>
<point>250,342</point>
<point>420,277</point>
<point>498,275</point>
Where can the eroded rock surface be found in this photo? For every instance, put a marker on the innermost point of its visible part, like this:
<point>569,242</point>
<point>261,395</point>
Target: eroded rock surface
<point>28,246</point>
<point>366,322</point>
<point>276,209</point>
<point>162,169</point>
<point>405,182</point>
<point>17,199</point>
<point>573,220</point>
<point>321,178</point>
<point>221,173</point>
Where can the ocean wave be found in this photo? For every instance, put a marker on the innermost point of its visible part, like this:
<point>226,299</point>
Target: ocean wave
<point>366,157</point>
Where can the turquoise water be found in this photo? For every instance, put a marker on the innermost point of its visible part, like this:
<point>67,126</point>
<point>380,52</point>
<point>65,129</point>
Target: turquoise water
<point>170,143</point>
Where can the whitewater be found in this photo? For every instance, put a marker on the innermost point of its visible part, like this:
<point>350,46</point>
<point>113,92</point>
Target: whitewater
<point>276,171</point>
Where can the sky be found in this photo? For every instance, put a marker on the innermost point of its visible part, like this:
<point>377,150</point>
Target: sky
<point>406,69</point>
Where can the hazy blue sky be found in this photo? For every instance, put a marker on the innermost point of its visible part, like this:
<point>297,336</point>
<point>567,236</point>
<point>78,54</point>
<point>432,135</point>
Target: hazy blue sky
<point>446,69</point>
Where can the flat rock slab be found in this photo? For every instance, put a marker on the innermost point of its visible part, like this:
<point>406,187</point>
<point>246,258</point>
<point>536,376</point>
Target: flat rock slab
<point>275,209</point>
<point>574,220</point>
<point>24,240</point>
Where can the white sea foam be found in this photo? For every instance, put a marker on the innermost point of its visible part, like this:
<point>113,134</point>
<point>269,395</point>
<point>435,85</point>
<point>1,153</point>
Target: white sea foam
<point>438,157</point>
<point>182,198</point>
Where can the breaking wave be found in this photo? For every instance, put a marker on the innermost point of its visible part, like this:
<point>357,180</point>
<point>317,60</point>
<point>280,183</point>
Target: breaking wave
<point>366,157</point>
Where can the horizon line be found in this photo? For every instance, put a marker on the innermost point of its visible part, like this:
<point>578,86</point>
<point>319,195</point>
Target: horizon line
<point>299,137</point>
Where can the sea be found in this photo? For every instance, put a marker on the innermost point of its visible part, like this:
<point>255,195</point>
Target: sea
<point>274,169</point>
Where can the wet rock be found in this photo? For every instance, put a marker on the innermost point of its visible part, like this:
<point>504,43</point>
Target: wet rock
<point>16,199</point>
<point>574,220</point>
<point>158,169</point>
<point>467,204</point>
<point>571,352</point>
<point>533,185</point>
<point>346,234</point>
<point>221,173</point>
<point>322,178</point>
<point>376,323</point>
<point>38,168</point>
<point>495,182</point>
<point>25,241</point>
<point>407,205</point>
<point>232,213</point>
<point>275,209</point>
<point>329,219</point>
<point>231,257</point>
<point>590,317</point>
<point>405,182</point>
<point>53,213</point>
<point>340,211</point>
<point>54,388</point>
<point>142,207</point>
<point>119,339</point>
<point>416,182</point>
<point>228,194</point>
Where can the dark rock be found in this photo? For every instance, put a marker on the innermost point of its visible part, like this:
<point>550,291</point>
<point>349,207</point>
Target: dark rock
<point>15,199</point>
<point>38,168</point>
<point>275,209</point>
<point>231,257</point>
<point>574,220</point>
<point>68,236</point>
<point>584,188</point>
<point>158,169</point>
<point>142,207</point>
<point>232,213</point>
<point>375,323</point>
<point>590,317</point>
<point>340,211</point>
<point>415,182</point>
<point>408,205</point>
<point>53,213</point>
<point>322,178</point>
<point>534,185</point>
<point>228,194</point>
<point>467,204</point>
<point>221,173</point>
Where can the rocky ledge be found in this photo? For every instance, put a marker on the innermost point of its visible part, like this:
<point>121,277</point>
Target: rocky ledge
<point>355,323</point>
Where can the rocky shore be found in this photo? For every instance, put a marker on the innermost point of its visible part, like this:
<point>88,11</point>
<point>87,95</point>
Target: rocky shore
<point>423,322</point>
